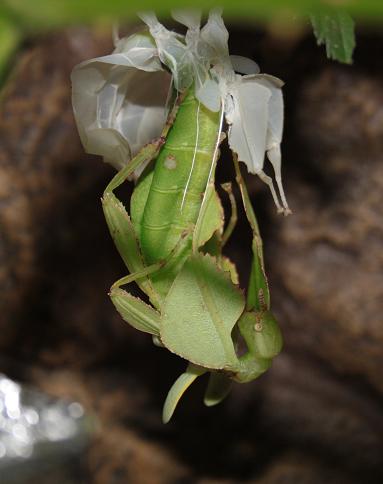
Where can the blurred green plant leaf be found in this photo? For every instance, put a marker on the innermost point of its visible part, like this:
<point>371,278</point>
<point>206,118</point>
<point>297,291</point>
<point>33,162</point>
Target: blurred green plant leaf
<point>9,39</point>
<point>34,13</point>
<point>336,31</point>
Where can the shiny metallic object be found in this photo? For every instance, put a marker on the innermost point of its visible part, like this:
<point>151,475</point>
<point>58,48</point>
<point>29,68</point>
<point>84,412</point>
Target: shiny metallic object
<point>37,432</point>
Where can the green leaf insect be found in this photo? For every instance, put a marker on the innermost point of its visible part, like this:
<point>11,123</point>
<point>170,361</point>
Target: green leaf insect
<point>173,240</point>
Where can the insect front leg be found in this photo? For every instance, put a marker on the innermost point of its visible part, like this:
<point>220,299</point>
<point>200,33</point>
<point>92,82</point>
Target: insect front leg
<point>117,218</point>
<point>120,225</point>
<point>134,311</point>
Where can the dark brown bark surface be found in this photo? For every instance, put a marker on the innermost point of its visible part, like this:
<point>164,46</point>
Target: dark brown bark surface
<point>317,416</point>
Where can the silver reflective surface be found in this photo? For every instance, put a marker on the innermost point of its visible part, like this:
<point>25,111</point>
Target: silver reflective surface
<point>36,429</point>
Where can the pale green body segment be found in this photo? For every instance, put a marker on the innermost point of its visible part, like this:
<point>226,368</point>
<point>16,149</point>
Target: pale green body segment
<point>173,250</point>
<point>172,200</point>
<point>167,200</point>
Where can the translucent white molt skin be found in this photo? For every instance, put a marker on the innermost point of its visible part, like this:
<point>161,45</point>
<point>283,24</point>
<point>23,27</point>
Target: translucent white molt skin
<point>215,35</point>
<point>253,106</point>
<point>172,51</point>
<point>248,121</point>
<point>191,19</point>
<point>244,65</point>
<point>187,58</point>
<point>275,130</point>
<point>117,111</point>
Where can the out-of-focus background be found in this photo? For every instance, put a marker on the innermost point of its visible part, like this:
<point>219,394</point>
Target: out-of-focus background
<point>317,415</point>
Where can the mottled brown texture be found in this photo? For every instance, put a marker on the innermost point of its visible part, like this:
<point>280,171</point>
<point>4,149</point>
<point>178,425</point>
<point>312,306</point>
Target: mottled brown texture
<point>327,259</point>
<point>296,468</point>
<point>39,171</point>
<point>316,416</point>
<point>310,407</point>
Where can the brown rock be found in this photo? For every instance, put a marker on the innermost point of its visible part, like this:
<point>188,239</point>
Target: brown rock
<point>39,171</point>
<point>327,258</point>
<point>310,408</point>
<point>293,468</point>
